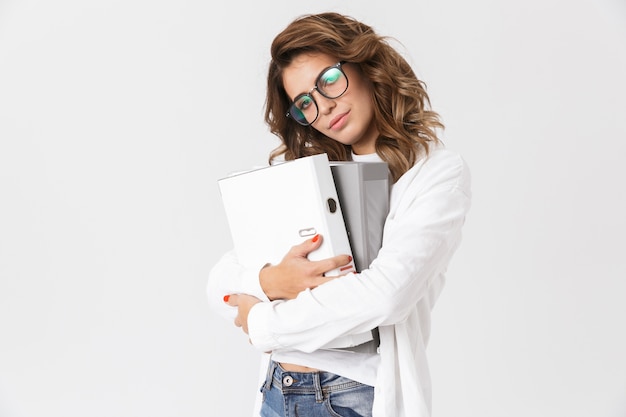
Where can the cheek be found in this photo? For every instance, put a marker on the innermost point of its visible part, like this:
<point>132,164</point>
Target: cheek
<point>362,95</point>
<point>365,106</point>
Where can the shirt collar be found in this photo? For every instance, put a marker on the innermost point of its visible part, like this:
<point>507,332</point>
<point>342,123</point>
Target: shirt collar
<point>371,157</point>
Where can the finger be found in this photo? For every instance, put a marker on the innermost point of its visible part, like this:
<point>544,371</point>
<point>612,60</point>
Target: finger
<point>231,300</point>
<point>309,245</point>
<point>341,262</point>
<point>322,280</point>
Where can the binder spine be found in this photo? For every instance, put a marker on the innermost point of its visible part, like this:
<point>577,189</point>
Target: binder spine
<point>337,243</point>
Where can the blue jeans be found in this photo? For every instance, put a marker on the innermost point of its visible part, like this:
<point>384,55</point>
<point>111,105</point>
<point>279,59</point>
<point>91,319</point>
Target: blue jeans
<point>313,394</point>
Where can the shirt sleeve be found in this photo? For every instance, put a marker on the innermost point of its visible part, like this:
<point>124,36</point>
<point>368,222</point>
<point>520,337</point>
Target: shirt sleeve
<point>230,277</point>
<point>421,234</point>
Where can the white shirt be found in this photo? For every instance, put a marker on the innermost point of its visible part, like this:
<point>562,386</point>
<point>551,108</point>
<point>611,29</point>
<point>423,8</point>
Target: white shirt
<point>428,205</point>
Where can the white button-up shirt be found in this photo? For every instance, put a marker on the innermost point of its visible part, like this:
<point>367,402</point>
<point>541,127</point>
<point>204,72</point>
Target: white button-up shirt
<point>428,206</point>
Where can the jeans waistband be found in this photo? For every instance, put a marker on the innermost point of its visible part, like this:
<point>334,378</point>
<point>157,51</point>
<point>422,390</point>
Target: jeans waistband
<point>319,383</point>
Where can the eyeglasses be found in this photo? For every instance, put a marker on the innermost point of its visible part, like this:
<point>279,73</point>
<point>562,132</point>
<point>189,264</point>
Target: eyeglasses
<point>331,83</point>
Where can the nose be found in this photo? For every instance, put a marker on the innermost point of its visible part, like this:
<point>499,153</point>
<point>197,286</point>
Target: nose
<point>325,105</point>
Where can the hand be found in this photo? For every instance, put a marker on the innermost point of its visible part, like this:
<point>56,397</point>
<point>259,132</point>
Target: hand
<point>295,273</point>
<point>244,303</point>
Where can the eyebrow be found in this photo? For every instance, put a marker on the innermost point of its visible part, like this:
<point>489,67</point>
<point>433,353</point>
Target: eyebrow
<point>321,71</point>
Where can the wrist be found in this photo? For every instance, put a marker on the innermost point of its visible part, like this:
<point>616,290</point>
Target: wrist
<point>266,282</point>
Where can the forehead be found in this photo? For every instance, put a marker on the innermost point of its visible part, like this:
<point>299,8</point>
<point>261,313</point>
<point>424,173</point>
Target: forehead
<point>300,76</point>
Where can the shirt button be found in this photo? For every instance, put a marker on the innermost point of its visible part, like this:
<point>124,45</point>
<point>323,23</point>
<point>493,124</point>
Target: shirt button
<point>287,380</point>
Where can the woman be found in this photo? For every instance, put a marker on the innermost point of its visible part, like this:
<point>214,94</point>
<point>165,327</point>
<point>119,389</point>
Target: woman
<point>336,87</point>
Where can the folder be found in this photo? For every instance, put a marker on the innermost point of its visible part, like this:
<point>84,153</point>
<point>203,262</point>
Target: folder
<point>271,209</point>
<point>363,190</point>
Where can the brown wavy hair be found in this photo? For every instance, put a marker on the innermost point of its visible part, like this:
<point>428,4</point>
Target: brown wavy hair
<point>405,122</point>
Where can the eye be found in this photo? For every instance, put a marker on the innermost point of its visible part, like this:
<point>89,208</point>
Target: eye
<point>303,103</point>
<point>330,77</point>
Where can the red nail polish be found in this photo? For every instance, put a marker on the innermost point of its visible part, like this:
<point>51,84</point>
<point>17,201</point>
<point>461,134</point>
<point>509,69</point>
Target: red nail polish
<point>226,298</point>
<point>315,238</point>
<point>349,258</point>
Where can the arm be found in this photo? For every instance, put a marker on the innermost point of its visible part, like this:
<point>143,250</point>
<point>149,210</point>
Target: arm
<point>229,277</point>
<point>292,275</point>
<point>295,273</point>
<point>420,237</point>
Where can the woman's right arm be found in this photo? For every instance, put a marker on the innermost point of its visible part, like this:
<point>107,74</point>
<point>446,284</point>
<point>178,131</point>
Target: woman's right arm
<point>284,281</point>
<point>229,277</point>
<point>295,273</point>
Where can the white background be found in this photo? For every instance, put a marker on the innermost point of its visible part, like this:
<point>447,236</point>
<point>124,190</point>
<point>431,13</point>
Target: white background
<point>118,117</point>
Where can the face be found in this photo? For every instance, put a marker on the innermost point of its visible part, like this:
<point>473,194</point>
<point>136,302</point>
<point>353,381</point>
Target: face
<point>348,119</point>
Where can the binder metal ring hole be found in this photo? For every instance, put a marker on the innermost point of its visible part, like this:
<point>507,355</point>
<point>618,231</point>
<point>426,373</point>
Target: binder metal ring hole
<point>332,205</point>
<point>307,232</point>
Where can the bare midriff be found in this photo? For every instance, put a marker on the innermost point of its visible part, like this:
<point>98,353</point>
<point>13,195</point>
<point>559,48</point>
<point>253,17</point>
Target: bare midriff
<point>292,367</point>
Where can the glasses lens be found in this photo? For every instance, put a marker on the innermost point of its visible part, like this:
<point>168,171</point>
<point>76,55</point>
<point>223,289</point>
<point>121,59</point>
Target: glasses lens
<point>332,83</point>
<point>304,110</point>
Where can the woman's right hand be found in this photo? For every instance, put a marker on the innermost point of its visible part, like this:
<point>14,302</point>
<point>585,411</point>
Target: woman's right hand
<point>295,273</point>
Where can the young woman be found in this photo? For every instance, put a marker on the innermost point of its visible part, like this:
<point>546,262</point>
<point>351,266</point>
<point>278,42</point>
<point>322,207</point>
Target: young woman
<point>336,87</point>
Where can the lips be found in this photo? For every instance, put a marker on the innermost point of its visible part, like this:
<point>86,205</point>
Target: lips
<point>338,121</point>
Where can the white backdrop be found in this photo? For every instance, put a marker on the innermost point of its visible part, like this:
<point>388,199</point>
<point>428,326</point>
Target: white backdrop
<point>118,117</point>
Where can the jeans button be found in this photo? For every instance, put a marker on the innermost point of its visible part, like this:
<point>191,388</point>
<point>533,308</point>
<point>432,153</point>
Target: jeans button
<point>287,380</point>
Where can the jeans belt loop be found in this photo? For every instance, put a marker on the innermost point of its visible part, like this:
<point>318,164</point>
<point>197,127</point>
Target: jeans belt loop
<point>319,394</point>
<point>270,375</point>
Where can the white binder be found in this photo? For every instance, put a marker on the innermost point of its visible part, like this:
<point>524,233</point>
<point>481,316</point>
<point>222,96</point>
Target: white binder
<point>271,209</point>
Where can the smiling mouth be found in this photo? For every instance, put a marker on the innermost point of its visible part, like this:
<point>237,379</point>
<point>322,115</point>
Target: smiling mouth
<point>337,120</point>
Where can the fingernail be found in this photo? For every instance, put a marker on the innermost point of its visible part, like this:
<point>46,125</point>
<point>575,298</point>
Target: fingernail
<point>226,298</point>
<point>349,258</point>
<point>315,238</point>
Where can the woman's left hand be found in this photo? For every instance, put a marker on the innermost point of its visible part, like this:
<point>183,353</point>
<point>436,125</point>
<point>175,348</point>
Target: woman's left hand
<point>244,303</point>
